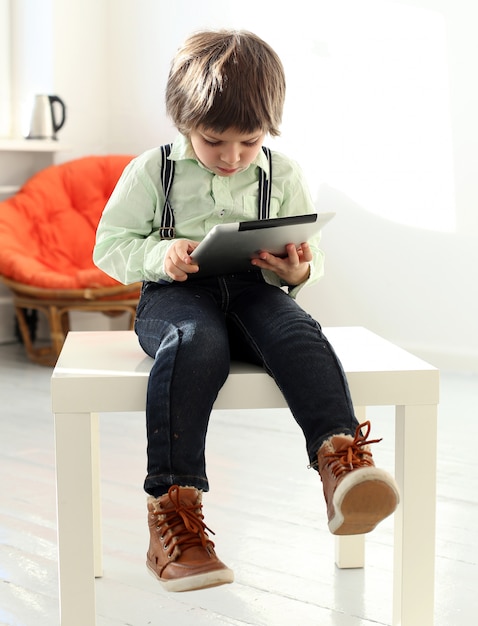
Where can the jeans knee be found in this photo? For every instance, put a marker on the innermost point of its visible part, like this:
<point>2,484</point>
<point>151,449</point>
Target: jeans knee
<point>196,341</point>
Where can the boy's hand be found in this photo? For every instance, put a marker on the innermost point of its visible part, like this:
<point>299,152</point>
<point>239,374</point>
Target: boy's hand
<point>178,264</point>
<point>292,269</point>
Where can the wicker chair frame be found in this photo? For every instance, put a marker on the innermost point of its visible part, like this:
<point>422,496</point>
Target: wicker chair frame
<point>56,306</point>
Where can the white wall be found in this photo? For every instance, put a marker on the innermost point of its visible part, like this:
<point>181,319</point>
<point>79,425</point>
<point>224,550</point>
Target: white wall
<point>5,89</point>
<point>81,74</point>
<point>416,286</point>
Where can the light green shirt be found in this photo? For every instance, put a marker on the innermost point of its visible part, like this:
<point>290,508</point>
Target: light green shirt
<point>128,246</point>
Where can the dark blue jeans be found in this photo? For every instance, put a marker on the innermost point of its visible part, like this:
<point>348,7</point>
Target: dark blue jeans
<point>192,330</point>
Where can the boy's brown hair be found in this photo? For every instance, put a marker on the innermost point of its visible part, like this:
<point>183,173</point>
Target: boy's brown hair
<point>226,79</point>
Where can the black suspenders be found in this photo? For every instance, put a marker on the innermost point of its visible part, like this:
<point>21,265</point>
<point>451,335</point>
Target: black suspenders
<point>265,185</point>
<point>166,230</point>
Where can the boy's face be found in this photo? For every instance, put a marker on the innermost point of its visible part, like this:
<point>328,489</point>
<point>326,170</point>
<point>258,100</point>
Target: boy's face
<point>226,153</point>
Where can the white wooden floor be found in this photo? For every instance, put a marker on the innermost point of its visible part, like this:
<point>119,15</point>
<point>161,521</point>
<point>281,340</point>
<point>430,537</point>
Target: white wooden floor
<point>265,506</point>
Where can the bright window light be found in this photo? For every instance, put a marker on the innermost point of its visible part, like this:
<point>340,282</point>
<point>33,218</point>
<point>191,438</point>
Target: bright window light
<point>369,100</point>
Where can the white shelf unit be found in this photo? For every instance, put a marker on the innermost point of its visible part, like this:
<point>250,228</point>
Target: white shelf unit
<point>19,160</point>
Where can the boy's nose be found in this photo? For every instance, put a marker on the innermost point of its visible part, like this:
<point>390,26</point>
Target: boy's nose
<point>230,155</point>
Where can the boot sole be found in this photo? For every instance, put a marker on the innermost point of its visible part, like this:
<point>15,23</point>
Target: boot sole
<point>362,500</point>
<point>196,581</point>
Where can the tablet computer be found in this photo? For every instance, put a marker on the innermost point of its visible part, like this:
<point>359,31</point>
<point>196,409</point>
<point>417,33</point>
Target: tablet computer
<point>229,248</point>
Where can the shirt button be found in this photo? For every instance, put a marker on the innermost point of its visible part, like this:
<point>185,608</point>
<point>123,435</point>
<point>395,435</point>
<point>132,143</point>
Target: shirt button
<point>221,213</point>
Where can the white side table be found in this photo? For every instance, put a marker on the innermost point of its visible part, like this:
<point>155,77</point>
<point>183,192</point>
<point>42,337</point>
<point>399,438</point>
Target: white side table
<point>107,372</point>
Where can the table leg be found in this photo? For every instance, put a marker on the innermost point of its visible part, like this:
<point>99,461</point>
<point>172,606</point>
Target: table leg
<point>96,493</point>
<point>75,509</point>
<point>350,549</point>
<point>414,543</point>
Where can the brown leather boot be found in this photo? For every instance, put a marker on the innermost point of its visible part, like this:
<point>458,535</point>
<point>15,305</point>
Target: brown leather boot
<point>180,554</point>
<point>358,494</point>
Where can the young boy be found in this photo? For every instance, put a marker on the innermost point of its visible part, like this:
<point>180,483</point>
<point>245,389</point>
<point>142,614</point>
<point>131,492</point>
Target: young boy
<point>225,93</point>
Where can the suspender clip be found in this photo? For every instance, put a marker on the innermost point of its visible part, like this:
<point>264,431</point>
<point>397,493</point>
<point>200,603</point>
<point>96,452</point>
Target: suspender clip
<point>167,232</point>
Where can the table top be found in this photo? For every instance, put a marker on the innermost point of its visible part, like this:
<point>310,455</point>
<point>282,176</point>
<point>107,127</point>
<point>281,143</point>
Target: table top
<point>118,353</point>
<point>111,361</point>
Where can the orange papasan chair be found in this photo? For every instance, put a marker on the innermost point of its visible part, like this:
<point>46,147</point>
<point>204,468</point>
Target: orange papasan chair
<point>47,234</point>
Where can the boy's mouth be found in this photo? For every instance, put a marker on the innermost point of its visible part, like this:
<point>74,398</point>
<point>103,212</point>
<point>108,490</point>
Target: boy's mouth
<point>227,171</point>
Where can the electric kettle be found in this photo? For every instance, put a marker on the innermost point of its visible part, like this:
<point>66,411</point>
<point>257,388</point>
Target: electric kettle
<point>44,124</point>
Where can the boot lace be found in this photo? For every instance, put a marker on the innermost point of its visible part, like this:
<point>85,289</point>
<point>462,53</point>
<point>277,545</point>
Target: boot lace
<point>184,524</point>
<point>353,455</point>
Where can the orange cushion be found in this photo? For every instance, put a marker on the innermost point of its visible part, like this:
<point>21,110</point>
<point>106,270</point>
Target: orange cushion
<point>48,229</point>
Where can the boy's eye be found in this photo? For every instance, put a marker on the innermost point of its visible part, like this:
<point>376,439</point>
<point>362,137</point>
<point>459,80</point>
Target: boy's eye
<point>249,144</point>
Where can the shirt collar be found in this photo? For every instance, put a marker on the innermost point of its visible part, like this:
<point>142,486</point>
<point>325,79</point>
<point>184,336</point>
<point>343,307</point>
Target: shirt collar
<point>183,150</point>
